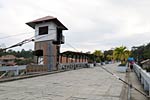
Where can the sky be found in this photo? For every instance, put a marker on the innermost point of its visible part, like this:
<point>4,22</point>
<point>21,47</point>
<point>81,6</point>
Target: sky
<point>93,24</point>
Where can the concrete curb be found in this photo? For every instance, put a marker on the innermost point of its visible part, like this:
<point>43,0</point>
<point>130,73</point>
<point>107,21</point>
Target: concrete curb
<point>30,76</point>
<point>124,92</point>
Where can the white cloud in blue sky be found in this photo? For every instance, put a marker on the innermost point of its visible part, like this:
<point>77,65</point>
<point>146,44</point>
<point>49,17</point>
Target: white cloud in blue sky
<point>92,24</point>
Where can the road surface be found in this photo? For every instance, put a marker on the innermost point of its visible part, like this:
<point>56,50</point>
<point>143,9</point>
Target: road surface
<point>83,84</point>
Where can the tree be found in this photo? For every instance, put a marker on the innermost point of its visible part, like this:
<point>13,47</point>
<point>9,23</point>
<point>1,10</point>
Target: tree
<point>28,55</point>
<point>121,53</point>
<point>108,55</point>
<point>141,53</point>
<point>98,54</point>
<point>24,62</point>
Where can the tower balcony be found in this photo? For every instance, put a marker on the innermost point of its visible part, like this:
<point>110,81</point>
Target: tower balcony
<point>60,40</point>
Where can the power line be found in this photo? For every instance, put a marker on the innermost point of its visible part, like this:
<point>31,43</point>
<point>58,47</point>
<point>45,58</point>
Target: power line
<point>72,47</point>
<point>31,39</point>
<point>19,44</point>
<point>15,35</point>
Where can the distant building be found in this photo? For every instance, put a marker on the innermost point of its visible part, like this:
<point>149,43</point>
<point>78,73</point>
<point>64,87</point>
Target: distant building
<point>74,57</point>
<point>7,60</point>
<point>146,63</point>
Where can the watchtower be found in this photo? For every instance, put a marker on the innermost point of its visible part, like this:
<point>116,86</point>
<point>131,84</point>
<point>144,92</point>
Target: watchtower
<point>48,38</point>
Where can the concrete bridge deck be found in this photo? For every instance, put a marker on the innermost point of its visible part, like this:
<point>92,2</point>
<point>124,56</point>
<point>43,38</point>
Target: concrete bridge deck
<point>83,84</point>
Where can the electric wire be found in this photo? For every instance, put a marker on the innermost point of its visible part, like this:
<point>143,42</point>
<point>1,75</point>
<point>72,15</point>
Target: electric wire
<point>15,35</point>
<point>19,34</point>
<point>31,39</point>
<point>72,47</point>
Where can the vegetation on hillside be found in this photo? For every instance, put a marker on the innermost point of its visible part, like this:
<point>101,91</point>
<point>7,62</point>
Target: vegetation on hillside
<point>141,53</point>
<point>22,53</point>
<point>27,55</point>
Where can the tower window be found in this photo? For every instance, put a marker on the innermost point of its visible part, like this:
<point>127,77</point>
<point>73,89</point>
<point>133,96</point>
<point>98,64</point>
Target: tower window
<point>38,53</point>
<point>43,30</point>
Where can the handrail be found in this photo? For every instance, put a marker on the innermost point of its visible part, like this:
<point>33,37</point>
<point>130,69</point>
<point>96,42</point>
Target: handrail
<point>8,68</point>
<point>143,76</point>
<point>13,68</point>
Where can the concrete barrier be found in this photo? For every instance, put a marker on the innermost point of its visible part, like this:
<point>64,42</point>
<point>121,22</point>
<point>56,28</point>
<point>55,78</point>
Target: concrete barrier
<point>7,68</point>
<point>16,69</point>
<point>36,68</point>
<point>122,69</point>
<point>143,76</point>
<point>70,66</point>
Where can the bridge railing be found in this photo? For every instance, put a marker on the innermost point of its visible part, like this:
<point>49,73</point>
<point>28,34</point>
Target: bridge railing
<point>143,76</point>
<point>41,68</point>
<point>15,69</point>
<point>69,66</point>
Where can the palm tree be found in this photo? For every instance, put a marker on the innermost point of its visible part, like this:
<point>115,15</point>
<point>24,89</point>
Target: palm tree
<point>98,55</point>
<point>121,53</point>
<point>109,57</point>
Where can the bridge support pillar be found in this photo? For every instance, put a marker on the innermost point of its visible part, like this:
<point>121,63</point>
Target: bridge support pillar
<point>16,72</point>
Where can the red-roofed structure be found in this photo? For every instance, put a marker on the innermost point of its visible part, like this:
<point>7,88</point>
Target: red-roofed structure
<point>46,19</point>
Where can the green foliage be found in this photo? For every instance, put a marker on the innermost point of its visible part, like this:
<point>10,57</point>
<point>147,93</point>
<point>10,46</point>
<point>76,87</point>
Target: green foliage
<point>108,55</point>
<point>28,55</point>
<point>121,53</point>
<point>22,53</point>
<point>141,52</point>
<point>98,55</point>
<point>147,69</point>
<point>91,59</point>
<point>23,62</point>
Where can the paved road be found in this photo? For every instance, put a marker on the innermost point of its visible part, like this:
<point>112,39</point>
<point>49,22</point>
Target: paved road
<point>136,83</point>
<point>82,84</point>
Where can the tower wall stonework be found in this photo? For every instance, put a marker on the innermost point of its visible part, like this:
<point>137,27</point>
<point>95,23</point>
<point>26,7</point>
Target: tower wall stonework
<point>49,53</point>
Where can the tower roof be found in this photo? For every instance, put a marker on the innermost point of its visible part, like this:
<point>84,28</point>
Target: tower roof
<point>46,19</point>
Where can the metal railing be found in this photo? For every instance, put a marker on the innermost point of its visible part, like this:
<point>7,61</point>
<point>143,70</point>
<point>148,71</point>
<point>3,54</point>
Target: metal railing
<point>143,76</point>
<point>15,69</point>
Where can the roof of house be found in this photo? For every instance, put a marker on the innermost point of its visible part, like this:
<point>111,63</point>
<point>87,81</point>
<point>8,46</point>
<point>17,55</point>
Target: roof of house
<point>46,19</point>
<point>145,61</point>
<point>8,57</point>
<point>75,53</point>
